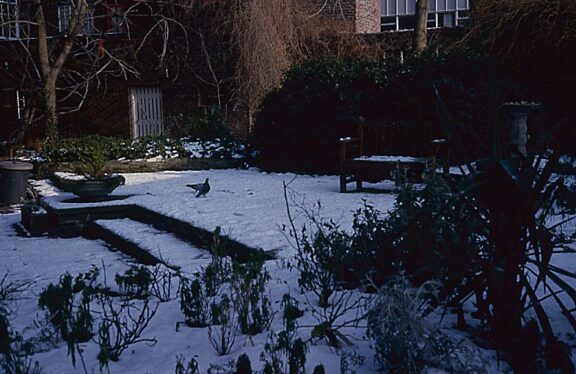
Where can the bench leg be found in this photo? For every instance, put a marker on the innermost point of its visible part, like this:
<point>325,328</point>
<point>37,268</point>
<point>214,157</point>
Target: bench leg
<point>342,183</point>
<point>359,184</point>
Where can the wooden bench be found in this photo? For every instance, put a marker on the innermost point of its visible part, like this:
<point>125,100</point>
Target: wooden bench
<point>367,158</point>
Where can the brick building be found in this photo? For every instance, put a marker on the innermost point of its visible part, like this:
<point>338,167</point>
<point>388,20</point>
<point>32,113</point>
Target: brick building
<point>375,16</point>
<point>390,22</point>
<point>140,104</point>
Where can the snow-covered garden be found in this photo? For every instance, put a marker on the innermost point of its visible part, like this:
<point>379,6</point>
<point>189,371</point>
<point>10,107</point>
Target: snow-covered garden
<point>198,308</point>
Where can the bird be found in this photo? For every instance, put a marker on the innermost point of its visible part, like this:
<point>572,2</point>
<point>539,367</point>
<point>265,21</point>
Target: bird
<point>201,188</point>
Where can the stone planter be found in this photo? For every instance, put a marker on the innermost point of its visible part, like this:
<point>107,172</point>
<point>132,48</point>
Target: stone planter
<point>35,219</point>
<point>90,188</point>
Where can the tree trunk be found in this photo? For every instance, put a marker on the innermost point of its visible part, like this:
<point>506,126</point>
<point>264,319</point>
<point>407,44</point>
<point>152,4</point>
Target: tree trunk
<point>48,78</point>
<point>420,37</point>
<point>507,232</point>
<point>49,94</point>
<point>51,67</point>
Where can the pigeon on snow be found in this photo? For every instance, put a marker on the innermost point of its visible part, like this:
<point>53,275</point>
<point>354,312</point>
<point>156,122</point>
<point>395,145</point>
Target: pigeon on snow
<point>201,188</point>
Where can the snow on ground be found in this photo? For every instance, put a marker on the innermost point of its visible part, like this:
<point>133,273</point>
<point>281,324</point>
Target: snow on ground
<point>41,261</point>
<point>164,246</point>
<point>248,205</point>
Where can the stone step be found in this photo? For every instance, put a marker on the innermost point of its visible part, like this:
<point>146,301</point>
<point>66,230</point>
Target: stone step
<point>70,218</point>
<point>149,245</point>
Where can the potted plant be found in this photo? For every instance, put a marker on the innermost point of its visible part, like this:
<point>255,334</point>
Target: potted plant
<point>91,179</point>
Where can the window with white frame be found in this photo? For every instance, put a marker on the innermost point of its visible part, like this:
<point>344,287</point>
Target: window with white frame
<point>400,14</point>
<point>9,27</point>
<point>65,14</point>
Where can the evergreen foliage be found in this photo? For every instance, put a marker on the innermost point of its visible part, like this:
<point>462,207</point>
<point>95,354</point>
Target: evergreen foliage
<point>322,100</point>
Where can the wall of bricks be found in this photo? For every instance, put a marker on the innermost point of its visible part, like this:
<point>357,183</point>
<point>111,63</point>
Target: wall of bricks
<point>105,112</point>
<point>337,9</point>
<point>365,14</point>
<point>367,19</point>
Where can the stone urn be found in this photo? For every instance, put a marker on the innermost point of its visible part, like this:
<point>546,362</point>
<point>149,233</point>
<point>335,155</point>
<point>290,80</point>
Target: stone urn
<point>519,130</point>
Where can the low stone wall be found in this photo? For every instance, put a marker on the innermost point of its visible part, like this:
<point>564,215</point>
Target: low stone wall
<point>79,220</point>
<point>143,166</point>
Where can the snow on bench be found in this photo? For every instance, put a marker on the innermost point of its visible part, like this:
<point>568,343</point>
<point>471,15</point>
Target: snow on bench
<point>382,158</point>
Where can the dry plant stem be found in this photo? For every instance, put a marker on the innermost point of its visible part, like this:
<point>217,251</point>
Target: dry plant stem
<point>334,316</point>
<point>323,280</point>
<point>161,284</point>
<point>502,25</point>
<point>339,303</point>
<point>290,219</point>
<point>127,326</point>
<point>79,350</point>
<point>9,290</point>
<point>223,337</point>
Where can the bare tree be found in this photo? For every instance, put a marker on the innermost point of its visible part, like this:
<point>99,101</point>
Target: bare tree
<point>267,43</point>
<point>519,28</point>
<point>208,26</point>
<point>234,49</point>
<point>50,68</point>
<point>58,61</point>
<point>272,35</point>
<point>243,48</point>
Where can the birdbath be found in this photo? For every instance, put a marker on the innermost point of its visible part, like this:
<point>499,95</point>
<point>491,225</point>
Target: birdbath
<point>519,130</point>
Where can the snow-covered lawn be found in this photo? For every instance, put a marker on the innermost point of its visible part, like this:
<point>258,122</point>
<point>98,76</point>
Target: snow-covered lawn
<point>249,206</point>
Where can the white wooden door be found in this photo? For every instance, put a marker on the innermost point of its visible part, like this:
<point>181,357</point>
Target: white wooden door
<point>147,114</point>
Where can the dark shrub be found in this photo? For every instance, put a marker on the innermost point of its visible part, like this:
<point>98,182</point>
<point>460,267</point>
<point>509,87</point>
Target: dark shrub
<point>193,303</point>
<point>243,365</point>
<point>299,123</point>
<point>431,235</point>
<point>251,303</point>
<point>84,148</point>
<point>68,307</point>
<point>135,282</point>
<point>323,100</point>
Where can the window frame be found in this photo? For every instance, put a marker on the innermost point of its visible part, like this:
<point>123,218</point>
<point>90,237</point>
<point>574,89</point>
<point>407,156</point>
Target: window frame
<point>9,26</point>
<point>398,9</point>
<point>120,28</point>
<point>88,27</point>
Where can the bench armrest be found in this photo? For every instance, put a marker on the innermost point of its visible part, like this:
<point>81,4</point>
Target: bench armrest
<point>343,146</point>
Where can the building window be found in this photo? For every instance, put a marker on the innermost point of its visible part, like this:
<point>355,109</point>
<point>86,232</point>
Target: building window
<point>9,27</point>
<point>115,18</point>
<point>399,14</point>
<point>65,14</point>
